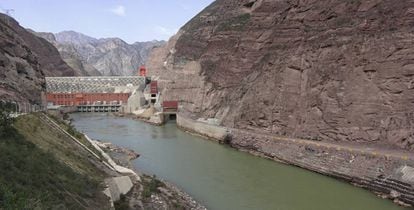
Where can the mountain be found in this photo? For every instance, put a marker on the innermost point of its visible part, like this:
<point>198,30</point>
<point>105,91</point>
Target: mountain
<point>108,56</point>
<point>330,70</point>
<point>25,60</point>
<point>72,37</point>
<point>70,55</point>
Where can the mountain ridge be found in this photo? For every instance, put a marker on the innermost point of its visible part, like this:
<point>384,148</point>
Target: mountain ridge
<point>108,56</point>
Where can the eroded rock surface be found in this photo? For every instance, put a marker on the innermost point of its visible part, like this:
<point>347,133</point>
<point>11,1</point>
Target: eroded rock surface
<point>24,62</point>
<point>328,70</point>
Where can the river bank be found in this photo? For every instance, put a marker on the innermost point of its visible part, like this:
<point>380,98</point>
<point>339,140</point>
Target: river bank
<point>221,177</point>
<point>153,120</point>
<point>150,192</point>
<point>388,174</point>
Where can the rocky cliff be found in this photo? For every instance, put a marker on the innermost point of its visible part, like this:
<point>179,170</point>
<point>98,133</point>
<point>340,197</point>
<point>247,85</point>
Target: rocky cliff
<point>70,54</point>
<point>25,60</point>
<point>109,56</point>
<point>326,70</point>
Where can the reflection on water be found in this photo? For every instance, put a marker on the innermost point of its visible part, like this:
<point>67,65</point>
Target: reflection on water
<point>222,178</point>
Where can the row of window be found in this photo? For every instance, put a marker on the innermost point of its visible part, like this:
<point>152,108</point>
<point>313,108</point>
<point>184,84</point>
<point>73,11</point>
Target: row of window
<point>95,95</point>
<point>64,96</point>
<point>68,103</point>
<point>64,103</point>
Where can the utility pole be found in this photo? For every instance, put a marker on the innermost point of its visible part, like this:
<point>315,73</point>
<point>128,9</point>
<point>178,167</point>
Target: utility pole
<point>9,11</point>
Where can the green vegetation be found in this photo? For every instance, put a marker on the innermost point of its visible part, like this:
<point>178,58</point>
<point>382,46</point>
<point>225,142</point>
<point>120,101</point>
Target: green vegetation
<point>33,178</point>
<point>151,185</point>
<point>60,145</point>
<point>42,170</point>
<point>122,204</point>
<point>72,131</point>
<point>6,120</point>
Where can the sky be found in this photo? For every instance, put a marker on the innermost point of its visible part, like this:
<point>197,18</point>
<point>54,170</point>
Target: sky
<point>130,20</point>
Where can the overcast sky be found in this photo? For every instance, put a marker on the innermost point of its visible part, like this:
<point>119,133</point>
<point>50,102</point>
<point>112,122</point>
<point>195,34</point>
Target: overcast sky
<point>130,20</point>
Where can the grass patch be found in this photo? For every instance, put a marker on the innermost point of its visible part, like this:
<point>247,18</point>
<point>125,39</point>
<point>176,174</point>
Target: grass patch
<point>72,131</point>
<point>62,147</point>
<point>33,178</point>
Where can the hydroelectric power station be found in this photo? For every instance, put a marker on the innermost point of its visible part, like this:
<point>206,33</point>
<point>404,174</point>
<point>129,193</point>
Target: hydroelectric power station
<point>136,95</point>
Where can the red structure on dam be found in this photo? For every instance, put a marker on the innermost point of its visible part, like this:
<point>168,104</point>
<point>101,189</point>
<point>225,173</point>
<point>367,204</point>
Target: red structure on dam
<point>79,99</point>
<point>142,71</point>
<point>92,94</point>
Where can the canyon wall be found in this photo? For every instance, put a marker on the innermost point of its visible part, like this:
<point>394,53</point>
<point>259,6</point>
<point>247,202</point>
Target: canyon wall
<point>25,60</point>
<point>329,70</point>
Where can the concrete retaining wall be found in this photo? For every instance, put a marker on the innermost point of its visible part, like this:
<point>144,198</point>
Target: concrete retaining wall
<point>118,186</point>
<point>111,162</point>
<point>211,131</point>
<point>387,175</point>
<point>62,110</point>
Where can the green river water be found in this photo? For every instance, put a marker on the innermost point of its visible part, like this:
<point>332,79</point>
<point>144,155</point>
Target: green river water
<point>220,177</point>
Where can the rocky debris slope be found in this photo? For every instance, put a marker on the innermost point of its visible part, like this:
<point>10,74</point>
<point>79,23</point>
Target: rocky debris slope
<point>25,60</point>
<point>327,70</point>
<point>109,56</point>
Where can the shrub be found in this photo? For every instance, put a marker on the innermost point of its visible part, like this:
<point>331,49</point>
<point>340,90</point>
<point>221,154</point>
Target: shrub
<point>6,120</point>
<point>122,204</point>
<point>151,186</point>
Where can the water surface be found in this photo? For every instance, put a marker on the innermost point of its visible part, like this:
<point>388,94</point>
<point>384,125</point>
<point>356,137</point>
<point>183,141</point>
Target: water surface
<point>220,177</point>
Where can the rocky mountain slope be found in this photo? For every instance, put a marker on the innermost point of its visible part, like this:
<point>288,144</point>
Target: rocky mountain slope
<point>70,55</point>
<point>25,60</point>
<point>325,70</point>
<point>109,56</point>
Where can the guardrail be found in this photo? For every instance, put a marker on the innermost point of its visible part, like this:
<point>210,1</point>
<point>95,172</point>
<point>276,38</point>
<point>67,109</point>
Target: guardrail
<point>18,108</point>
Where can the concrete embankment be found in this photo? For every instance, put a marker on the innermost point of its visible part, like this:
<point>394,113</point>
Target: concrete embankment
<point>212,132</point>
<point>389,174</point>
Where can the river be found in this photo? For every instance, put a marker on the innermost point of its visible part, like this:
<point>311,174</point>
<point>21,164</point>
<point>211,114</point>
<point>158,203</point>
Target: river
<point>220,177</point>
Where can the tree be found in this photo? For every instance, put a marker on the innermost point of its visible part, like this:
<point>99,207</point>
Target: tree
<point>6,118</point>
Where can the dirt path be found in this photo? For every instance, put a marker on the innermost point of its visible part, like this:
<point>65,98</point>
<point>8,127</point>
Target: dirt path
<point>362,148</point>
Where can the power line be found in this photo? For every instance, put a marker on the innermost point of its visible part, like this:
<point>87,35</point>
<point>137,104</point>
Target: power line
<point>9,12</point>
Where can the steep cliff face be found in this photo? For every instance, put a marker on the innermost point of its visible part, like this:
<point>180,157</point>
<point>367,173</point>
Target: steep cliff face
<point>315,69</point>
<point>110,56</point>
<point>24,62</point>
